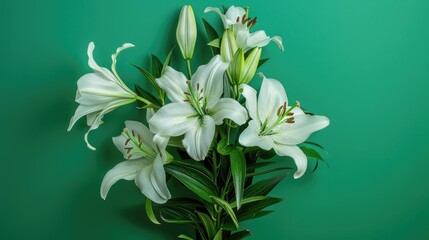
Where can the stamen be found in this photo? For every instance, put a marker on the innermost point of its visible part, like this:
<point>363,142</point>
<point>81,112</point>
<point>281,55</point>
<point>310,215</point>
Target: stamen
<point>238,19</point>
<point>140,138</point>
<point>279,110</point>
<point>129,156</point>
<point>199,99</point>
<point>127,141</point>
<point>290,114</point>
<point>201,91</point>
<point>186,93</point>
<point>290,120</point>
<point>128,149</point>
<point>133,133</point>
<point>198,86</point>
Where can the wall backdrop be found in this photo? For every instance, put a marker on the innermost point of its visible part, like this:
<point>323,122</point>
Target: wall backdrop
<point>363,63</point>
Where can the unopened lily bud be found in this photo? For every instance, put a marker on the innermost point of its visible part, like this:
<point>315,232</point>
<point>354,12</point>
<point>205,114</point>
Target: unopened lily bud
<point>236,66</point>
<point>228,46</point>
<point>250,65</point>
<point>186,32</point>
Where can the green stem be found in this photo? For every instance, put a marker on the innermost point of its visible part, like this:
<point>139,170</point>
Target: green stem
<point>188,64</point>
<point>147,102</point>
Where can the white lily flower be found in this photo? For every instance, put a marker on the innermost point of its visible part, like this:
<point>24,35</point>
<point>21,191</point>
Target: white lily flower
<point>196,107</point>
<point>100,92</point>
<point>144,164</point>
<point>275,125</point>
<point>235,19</point>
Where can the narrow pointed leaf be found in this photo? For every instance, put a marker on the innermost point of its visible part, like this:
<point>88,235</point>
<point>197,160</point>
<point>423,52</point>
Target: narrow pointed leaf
<point>311,153</point>
<point>218,235</point>
<point>167,61</point>
<point>208,225</point>
<point>249,200</point>
<point>149,211</point>
<point>211,35</point>
<point>146,95</point>
<point>315,144</point>
<point>228,209</point>
<point>238,171</point>
<point>262,188</point>
<point>262,61</point>
<point>156,66</point>
<point>240,235</point>
<point>183,236</point>
<point>195,181</point>
<point>267,171</point>
<point>215,43</point>
<point>149,77</point>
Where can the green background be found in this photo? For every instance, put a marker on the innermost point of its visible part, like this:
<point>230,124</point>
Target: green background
<point>362,63</point>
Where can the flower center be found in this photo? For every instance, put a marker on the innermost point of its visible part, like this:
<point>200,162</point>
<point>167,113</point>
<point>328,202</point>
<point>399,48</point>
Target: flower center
<point>134,145</point>
<point>284,116</point>
<point>196,98</point>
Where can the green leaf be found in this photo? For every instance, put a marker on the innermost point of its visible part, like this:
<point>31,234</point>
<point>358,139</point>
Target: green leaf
<point>251,210</point>
<point>223,147</point>
<point>258,165</point>
<point>249,200</point>
<point>197,165</point>
<point>268,154</point>
<point>262,61</point>
<point>195,181</point>
<point>146,95</point>
<point>215,43</point>
<point>167,61</point>
<point>183,236</point>
<point>238,171</point>
<point>218,235</point>
<point>211,35</point>
<point>315,144</point>
<point>208,225</point>
<point>256,215</point>
<point>228,209</point>
<point>267,171</point>
<point>176,221</point>
<point>239,235</point>
<point>262,188</point>
<point>311,153</point>
<point>149,77</point>
<point>149,211</point>
<point>156,66</point>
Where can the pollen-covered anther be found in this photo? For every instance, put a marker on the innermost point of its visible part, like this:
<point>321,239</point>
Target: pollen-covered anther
<point>128,149</point>
<point>133,133</point>
<point>127,141</point>
<point>139,138</point>
<point>290,114</point>
<point>279,110</point>
<point>129,156</point>
<point>290,120</point>
<point>198,86</point>
<point>186,93</point>
<point>238,19</point>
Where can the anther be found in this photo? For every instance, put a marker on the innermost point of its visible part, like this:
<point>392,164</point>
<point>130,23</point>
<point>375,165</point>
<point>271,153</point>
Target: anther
<point>290,114</point>
<point>127,141</point>
<point>290,120</point>
<point>133,133</point>
<point>129,156</point>
<point>140,138</point>
<point>198,86</point>
<point>186,93</point>
<point>128,149</point>
<point>279,110</point>
<point>199,99</point>
<point>238,19</point>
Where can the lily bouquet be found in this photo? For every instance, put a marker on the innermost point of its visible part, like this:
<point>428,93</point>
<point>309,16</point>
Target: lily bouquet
<point>207,130</point>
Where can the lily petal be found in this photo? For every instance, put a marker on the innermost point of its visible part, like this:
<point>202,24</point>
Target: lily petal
<point>250,137</point>
<point>173,119</point>
<point>210,78</point>
<point>298,156</point>
<point>197,141</point>
<point>92,64</point>
<point>297,132</point>
<point>174,84</point>
<point>144,182</point>
<point>97,120</point>
<point>126,170</point>
<point>231,109</point>
<point>158,179</point>
<point>260,39</point>
<point>271,96</point>
<point>233,13</point>
<point>250,94</point>
<point>221,15</point>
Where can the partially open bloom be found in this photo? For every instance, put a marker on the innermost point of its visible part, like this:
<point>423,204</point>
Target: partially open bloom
<point>243,69</point>
<point>144,163</point>
<point>236,19</point>
<point>186,32</point>
<point>100,92</point>
<point>196,107</point>
<point>276,125</point>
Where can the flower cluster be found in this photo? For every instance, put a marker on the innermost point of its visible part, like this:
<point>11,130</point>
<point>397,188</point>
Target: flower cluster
<point>211,120</point>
